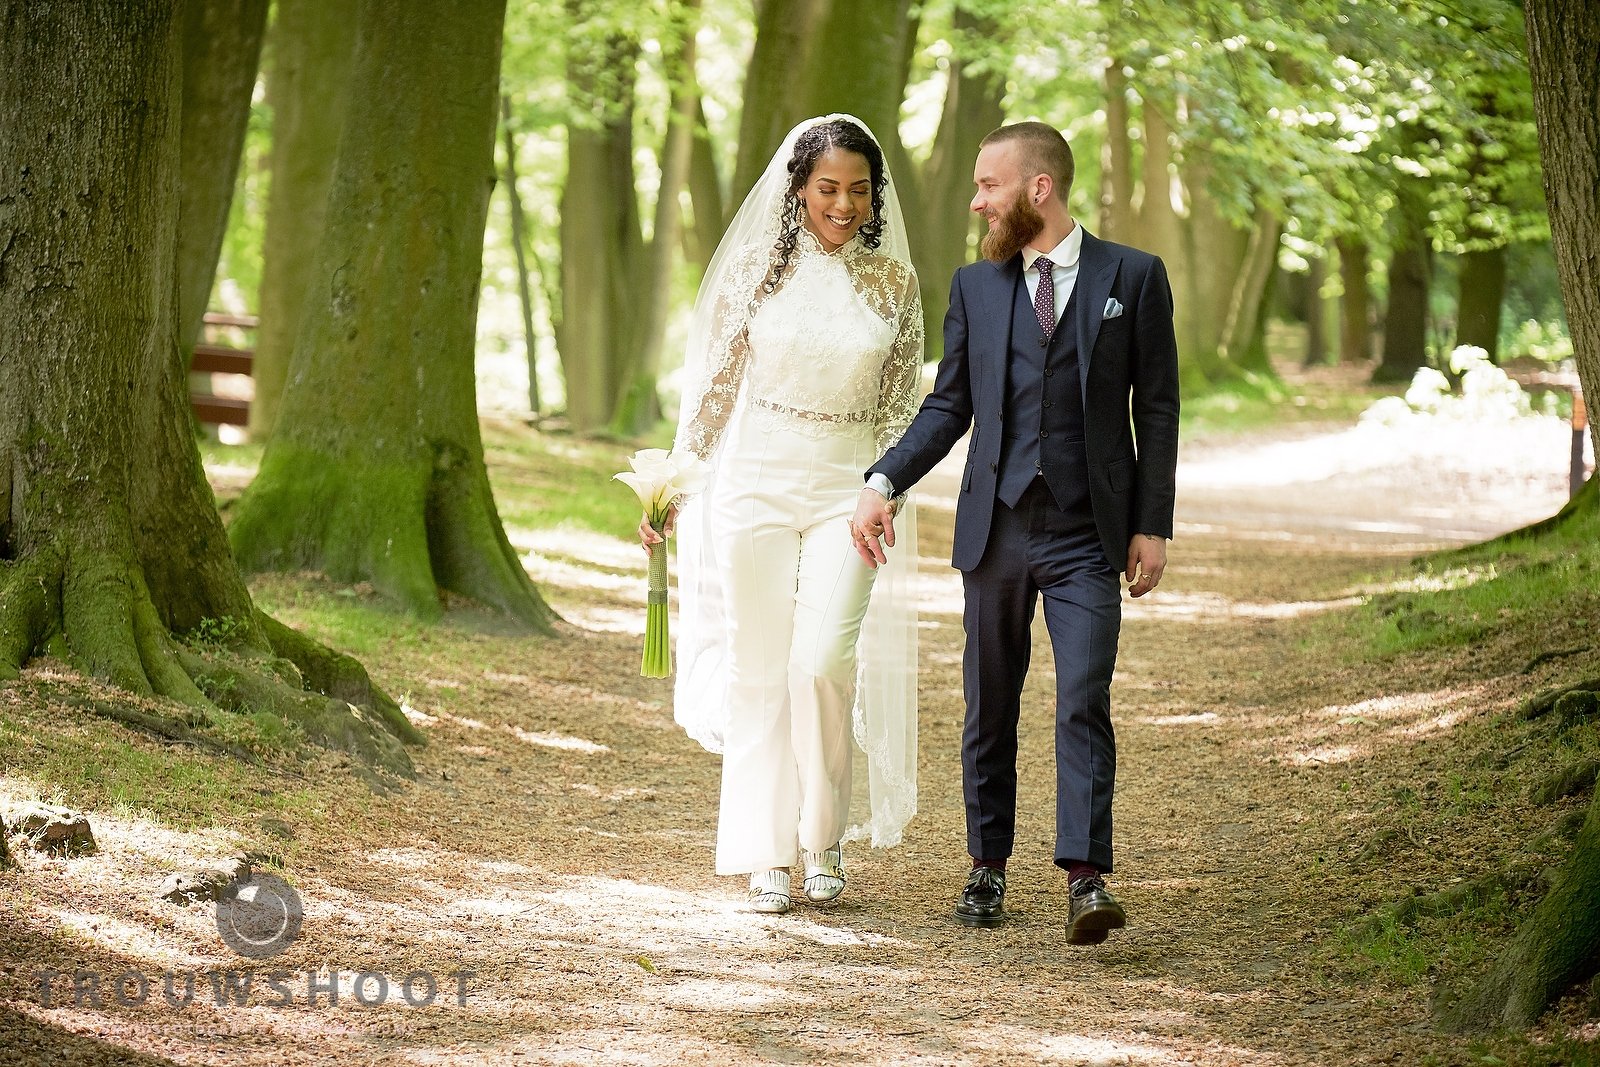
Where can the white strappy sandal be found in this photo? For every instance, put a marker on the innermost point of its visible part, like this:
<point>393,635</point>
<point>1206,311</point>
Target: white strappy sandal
<point>824,874</point>
<point>769,891</point>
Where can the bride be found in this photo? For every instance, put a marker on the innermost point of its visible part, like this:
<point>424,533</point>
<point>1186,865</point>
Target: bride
<point>804,357</point>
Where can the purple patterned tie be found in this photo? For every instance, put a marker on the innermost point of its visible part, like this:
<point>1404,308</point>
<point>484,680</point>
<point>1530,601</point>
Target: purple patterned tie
<point>1044,298</point>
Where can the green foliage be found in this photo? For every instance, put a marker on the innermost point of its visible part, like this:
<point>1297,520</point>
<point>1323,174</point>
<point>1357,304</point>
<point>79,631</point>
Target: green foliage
<point>218,633</point>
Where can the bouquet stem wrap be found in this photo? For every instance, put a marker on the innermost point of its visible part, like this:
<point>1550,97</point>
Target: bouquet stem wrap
<point>657,662</point>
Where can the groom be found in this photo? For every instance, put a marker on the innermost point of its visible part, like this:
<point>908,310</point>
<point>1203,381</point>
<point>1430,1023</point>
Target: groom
<point>1059,355</point>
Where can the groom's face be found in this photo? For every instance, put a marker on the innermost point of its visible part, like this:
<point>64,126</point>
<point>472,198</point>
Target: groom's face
<point>1004,200</point>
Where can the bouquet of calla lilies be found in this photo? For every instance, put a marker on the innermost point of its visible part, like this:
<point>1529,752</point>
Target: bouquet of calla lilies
<point>659,477</point>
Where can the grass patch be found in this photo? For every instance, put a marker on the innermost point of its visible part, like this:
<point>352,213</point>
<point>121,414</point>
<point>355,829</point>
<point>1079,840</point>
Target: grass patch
<point>1538,591</point>
<point>94,766</point>
<point>1256,401</point>
<point>549,480</point>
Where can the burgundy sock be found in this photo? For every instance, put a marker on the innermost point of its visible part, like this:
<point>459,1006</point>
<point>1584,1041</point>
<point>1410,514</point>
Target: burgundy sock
<point>996,865</point>
<point>1077,869</point>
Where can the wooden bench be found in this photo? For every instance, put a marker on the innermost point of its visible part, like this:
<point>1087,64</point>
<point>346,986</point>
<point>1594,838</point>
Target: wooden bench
<point>210,358</point>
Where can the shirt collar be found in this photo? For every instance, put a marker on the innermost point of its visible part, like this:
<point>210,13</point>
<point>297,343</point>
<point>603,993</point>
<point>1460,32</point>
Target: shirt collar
<point>1064,254</point>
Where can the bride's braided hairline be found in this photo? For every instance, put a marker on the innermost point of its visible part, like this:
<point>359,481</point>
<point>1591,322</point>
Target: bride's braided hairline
<point>808,148</point>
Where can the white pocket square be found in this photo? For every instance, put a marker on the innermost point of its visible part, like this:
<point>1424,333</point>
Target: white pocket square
<point>1113,309</point>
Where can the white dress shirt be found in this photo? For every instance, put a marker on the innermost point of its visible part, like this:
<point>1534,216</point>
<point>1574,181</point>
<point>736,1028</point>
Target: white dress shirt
<point>1064,256</point>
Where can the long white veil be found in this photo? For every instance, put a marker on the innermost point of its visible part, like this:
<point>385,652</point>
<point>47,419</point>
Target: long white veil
<point>885,714</point>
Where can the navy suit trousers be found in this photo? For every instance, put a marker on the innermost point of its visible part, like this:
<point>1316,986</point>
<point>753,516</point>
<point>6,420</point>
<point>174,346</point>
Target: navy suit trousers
<point>1037,548</point>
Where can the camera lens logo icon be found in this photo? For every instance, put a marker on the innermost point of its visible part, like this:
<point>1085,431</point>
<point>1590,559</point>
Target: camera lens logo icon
<point>260,917</point>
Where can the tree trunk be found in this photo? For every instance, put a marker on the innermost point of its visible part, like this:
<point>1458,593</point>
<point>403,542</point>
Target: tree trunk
<point>1556,947</point>
<point>221,55</point>
<point>376,470</point>
<point>638,407</point>
<point>848,73</point>
<point>1482,292</point>
<point>519,239</point>
<point>1355,325</point>
<point>1246,305</point>
<point>1117,219</point>
<point>1564,61</point>
<point>602,248</point>
<point>943,227</point>
<point>110,544</point>
<point>1405,322</point>
<point>313,49</point>
<point>1316,314</point>
<point>705,192</point>
<point>785,32</point>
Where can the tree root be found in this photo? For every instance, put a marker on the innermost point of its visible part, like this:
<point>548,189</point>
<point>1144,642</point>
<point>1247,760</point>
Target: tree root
<point>1536,706</point>
<point>1556,947</point>
<point>339,676</point>
<point>1455,899</point>
<point>98,615</point>
<point>1574,778</point>
<point>1552,654</point>
<point>240,686</point>
<point>158,727</point>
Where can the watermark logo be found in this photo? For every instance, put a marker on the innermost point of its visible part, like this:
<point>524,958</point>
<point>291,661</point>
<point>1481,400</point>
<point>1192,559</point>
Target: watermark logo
<point>260,917</point>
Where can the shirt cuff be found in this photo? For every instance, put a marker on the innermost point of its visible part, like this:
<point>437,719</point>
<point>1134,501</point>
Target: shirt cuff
<point>881,484</point>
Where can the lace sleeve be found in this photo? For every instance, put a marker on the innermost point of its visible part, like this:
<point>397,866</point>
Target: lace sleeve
<point>709,398</point>
<point>897,398</point>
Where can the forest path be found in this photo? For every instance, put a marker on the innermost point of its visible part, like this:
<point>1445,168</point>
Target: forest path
<point>598,934</point>
<point>557,843</point>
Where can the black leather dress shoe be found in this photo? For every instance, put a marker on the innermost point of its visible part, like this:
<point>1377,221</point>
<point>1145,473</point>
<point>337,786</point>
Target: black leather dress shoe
<point>1092,912</point>
<point>984,898</point>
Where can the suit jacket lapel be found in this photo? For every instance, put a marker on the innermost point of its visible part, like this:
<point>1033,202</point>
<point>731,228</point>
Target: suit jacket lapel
<point>1007,276</point>
<point>1097,270</point>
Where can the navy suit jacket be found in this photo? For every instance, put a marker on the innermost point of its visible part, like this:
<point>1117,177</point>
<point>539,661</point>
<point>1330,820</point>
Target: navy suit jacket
<point>1128,374</point>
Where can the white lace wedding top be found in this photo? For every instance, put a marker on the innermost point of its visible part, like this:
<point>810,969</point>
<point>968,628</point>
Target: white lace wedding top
<point>838,344</point>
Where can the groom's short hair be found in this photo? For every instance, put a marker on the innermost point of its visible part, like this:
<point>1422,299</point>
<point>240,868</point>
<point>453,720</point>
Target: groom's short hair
<point>1040,150</point>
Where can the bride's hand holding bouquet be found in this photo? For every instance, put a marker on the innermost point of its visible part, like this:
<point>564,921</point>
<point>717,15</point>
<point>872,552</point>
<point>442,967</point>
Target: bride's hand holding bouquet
<point>660,478</point>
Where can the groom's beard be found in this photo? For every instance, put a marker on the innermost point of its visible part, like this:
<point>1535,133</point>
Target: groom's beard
<point>1012,231</point>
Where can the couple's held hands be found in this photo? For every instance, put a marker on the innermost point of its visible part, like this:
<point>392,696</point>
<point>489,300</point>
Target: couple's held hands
<point>1147,559</point>
<point>874,519</point>
<point>647,533</point>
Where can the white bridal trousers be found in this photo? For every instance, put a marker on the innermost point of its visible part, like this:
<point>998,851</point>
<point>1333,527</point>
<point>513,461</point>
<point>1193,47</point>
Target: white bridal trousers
<point>796,594</point>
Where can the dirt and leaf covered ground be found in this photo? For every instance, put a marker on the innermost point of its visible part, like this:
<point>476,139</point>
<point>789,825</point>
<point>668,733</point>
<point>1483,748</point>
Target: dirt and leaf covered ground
<point>1294,759</point>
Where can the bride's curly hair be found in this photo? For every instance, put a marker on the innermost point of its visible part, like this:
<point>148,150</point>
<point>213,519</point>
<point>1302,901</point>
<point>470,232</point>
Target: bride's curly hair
<point>808,148</point>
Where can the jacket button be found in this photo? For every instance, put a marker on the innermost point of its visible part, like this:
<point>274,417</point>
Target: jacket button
<point>1047,403</point>
<point>1049,371</point>
<point>992,468</point>
<point>1044,433</point>
<point>1043,341</point>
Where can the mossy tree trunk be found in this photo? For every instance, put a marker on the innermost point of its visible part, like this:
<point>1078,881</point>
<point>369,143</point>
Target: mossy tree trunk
<point>376,471</point>
<point>110,545</point>
<point>1557,946</point>
<point>221,55</point>
<point>1564,62</point>
<point>602,244</point>
<point>313,49</point>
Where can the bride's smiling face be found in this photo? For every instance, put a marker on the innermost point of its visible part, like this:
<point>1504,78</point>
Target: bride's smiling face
<point>837,196</point>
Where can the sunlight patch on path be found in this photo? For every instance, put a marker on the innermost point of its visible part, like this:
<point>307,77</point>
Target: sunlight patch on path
<point>548,739</point>
<point>1215,607</point>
